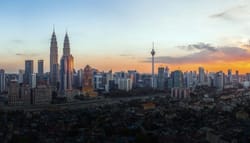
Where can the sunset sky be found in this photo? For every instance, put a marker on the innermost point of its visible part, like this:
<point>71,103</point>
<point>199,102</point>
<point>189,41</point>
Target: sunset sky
<point>118,34</point>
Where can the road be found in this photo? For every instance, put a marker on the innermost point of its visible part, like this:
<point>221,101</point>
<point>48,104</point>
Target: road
<point>77,104</point>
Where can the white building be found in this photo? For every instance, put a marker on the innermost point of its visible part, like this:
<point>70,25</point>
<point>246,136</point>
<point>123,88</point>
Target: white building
<point>98,81</point>
<point>33,80</point>
<point>190,79</point>
<point>20,76</point>
<point>125,84</point>
<point>109,77</point>
<point>180,93</point>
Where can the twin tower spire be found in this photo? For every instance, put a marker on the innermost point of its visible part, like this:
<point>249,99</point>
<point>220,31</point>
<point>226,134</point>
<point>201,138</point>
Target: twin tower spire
<point>66,44</point>
<point>61,78</point>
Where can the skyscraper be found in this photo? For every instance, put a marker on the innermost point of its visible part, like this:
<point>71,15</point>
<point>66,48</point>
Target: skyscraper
<point>153,66</point>
<point>237,78</point>
<point>177,77</point>
<point>161,78</point>
<point>219,80</point>
<point>2,80</point>
<point>54,74</point>
<point>29,69</point>
<point>40,67</point>
<point>33,80</point>
<point>66,67</point>
<point>201,76</point>
<point>21,76</point>
<point>230,76</point>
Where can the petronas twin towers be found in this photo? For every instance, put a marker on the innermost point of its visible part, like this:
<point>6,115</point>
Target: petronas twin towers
<point>61,78</point>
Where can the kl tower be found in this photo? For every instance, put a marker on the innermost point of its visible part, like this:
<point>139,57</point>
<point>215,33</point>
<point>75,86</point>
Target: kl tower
<point>153,65</point>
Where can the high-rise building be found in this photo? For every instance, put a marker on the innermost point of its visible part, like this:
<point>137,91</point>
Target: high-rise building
<point>33,80</point>
<point>14,96</point>
<point>67,65</point>
<point>29,70</point>
<point>99,82</point>
<point>219,80</point>
<point>40,67</point>
<point>2,81</point>
<point>229,75</point>
<point>177,77</point>
<point>237,78</point>
<point>80,78</point>
<point>88,81</point>
<point>109,81</point>
<point>125,84</point>
<point>133,75</point>
<point>19,94</point>
<point>54,74</point>
<point>201,76</point>
<point>42,94</point>
<point>153,66</point>
<point>189,81</point>
<point>20,76</point>
<point>161,78</point>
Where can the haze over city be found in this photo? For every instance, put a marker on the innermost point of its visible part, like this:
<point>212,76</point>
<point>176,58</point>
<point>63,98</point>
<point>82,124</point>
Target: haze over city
<point>118,35</point>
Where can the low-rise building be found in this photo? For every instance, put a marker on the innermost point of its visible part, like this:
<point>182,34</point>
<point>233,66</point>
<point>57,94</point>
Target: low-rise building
<point>42,94</point>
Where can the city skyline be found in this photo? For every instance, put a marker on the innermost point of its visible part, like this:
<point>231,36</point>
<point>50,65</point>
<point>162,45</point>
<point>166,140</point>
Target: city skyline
<point>106,34</point>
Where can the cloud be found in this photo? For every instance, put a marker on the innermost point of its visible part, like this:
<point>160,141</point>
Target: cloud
<point>199,46</point>
<point>27,55</point>
<point>127,56</point>
<point>246,45</point>
<point>239,12</point>
<point>220,54</point>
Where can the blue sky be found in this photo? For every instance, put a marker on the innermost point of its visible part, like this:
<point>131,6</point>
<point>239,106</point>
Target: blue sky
<point>122,30</point>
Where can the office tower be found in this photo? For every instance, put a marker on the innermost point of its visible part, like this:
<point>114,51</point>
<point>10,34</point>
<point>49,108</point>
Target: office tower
<point>67,65</point>
<point>125,84</point>
<point>109,81</point>
<point>189,79</point>
<point>33,80</point>
<point>134,76</point>
<point>88,81</point>
<point>87,78</point>
<point>29,70</point>
<point>99,81</point>
<point>80,78</point>
<point>177,78</point>
<point>161,78</point>
<point>153,64</point>
<point>237,78</point>
<point>19,94</point>
<point>20,76</point>
<point>219,80</point>
<point>230,76</point>
<point>75,81</point>
<point>42,95</point>
<point>2,80</point>
<point>211,79</point>
<point>247,76</point>
<point>201,78</point>
<point>166,72</point>
<point>54,74</point>
<point>40,67</point>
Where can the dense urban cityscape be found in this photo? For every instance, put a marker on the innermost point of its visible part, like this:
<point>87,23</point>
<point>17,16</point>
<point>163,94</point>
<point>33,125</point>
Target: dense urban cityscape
<point>88,105</point>
<point>101,80</point>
